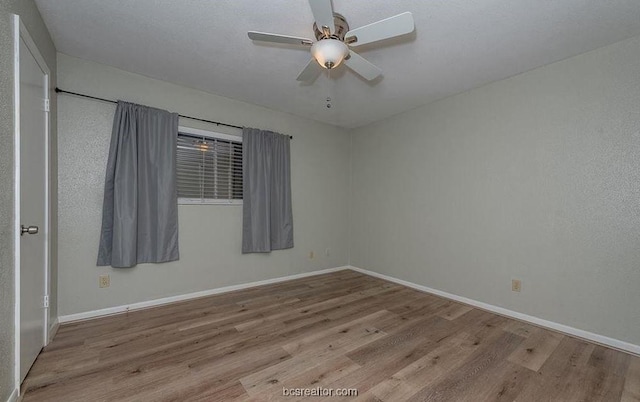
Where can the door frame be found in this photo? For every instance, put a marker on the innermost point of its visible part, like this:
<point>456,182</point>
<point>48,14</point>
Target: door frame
<point>20,32</point>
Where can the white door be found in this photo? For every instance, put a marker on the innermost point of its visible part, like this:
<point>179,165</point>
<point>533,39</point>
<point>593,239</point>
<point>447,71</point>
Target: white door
<point>33,206</point>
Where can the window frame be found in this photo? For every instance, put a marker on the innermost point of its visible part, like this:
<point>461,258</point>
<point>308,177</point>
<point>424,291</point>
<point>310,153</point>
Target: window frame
<point>212,135</point>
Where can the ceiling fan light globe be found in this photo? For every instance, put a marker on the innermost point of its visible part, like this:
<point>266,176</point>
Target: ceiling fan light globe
<point>329,53</point>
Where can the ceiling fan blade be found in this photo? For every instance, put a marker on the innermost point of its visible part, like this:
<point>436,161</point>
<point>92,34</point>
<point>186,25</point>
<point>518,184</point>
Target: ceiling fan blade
<point>323,14</point>
<point>400,24</point>
<point>276,38</point>
<point>362,67</point>
<point>311,71</point>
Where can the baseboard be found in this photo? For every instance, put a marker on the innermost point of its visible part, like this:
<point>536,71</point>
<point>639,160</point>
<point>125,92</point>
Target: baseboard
<point>53,329</point>
<point>172,299</point>
<point>578,333</point>
<point>13,397</point>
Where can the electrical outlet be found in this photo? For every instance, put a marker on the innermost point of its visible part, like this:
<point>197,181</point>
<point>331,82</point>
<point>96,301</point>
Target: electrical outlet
<point>311,255</point>
<point>104,281</point>
<point>516,285</point>
<point>327,252</point>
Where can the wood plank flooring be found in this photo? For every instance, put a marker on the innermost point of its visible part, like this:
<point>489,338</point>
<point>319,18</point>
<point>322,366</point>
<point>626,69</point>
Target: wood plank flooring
<point>342,330</point>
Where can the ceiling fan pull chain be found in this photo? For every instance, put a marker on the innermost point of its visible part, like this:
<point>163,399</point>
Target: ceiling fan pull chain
<point>328,88</point>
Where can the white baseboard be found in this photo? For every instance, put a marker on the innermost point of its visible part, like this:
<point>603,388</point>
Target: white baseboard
<point>579,333</point>
<point>14,396</point>
<point>53,328</point>
<point>172,299</point>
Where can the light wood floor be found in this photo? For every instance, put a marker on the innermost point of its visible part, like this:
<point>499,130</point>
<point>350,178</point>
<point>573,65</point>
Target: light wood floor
<point>340,330</point>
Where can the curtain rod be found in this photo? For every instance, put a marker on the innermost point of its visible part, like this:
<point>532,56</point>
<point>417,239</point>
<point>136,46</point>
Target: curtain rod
<point>58,90</point>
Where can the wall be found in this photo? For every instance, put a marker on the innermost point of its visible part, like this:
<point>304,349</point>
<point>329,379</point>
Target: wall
<point>535,177</point>
<point>32,20</point>
<point>210,235</point>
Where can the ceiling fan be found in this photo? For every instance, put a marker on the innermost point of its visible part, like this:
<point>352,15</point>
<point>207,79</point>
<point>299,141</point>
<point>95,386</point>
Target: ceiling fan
<point>335,41</point>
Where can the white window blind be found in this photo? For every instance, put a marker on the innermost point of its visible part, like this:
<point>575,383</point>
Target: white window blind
<point>209,168</point>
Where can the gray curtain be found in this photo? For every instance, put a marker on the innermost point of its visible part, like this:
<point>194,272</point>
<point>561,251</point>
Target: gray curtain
<point>267,218</point>
<point>140,208</point>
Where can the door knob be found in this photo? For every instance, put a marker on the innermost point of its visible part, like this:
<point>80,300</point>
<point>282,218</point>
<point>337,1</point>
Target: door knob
<point>28,230</point>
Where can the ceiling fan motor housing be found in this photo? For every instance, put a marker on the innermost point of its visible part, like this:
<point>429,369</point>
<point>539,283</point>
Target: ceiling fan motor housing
<point>340,30</point>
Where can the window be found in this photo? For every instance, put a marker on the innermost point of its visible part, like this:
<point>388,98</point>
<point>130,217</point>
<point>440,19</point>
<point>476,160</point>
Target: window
<point>209,168</point>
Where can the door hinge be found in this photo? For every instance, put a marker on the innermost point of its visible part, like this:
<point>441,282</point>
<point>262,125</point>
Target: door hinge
<point>46,105</point>
<point>45,301</point>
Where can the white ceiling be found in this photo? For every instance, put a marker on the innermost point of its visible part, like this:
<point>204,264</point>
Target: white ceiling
<point>457,45</point>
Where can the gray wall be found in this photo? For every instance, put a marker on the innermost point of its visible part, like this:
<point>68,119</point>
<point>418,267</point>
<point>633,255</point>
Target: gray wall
<point>32,20</point>
<point>536,177</point>
<point>210,235</point>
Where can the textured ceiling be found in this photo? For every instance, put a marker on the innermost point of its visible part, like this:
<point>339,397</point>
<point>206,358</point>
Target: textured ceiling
<point>457,45</point>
